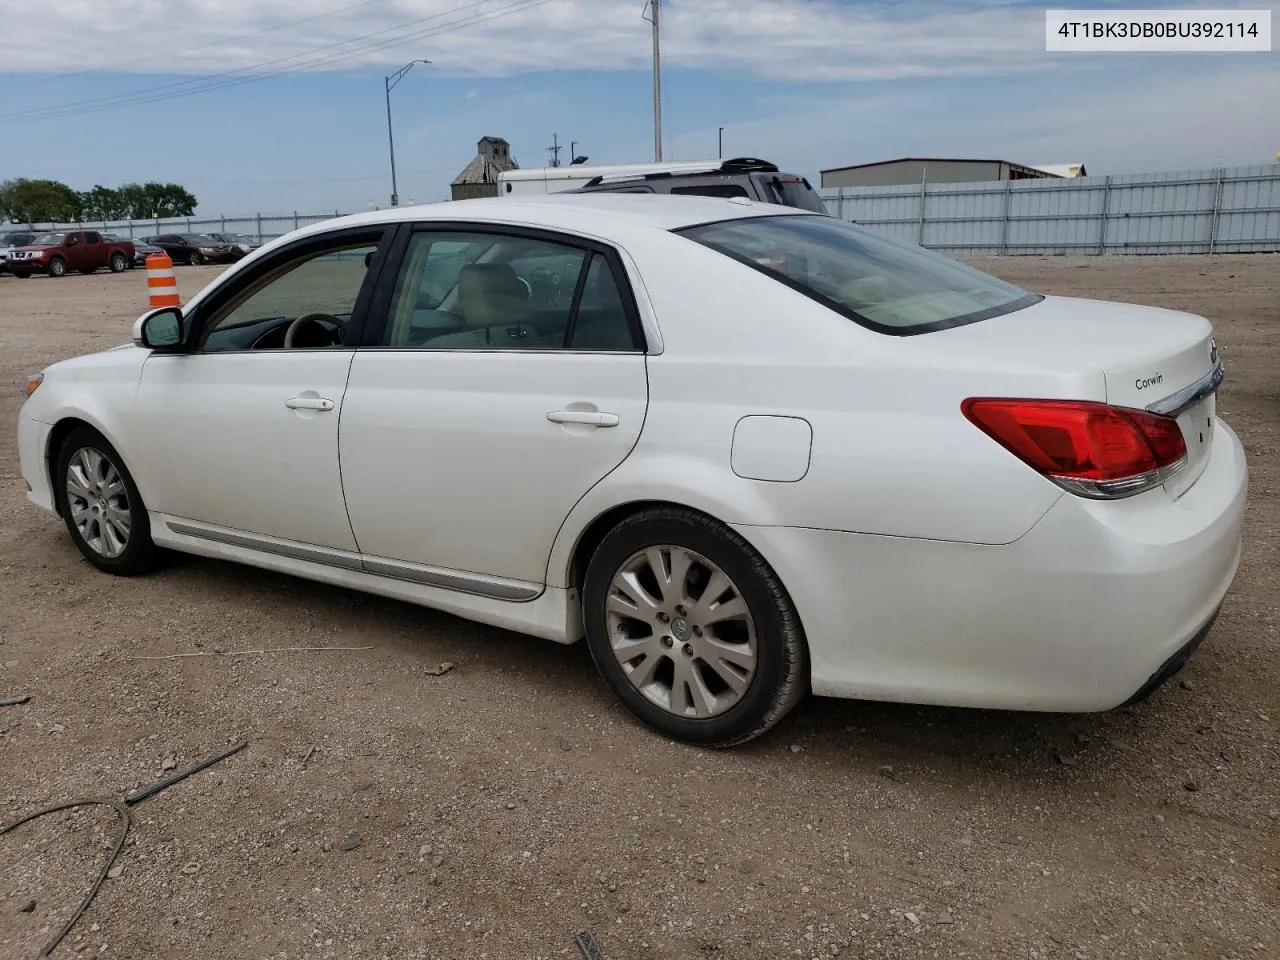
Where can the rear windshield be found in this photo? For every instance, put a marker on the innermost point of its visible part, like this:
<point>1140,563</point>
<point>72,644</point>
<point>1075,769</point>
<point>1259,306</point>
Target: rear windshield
<point>792,191</point>
<point>881,283</point>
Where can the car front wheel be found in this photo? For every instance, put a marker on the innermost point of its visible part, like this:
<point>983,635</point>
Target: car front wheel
<point>101,506</point>
<point>692,630</point>
<point>118,263</point>
<point>195,260</point>
<point>57,267</point>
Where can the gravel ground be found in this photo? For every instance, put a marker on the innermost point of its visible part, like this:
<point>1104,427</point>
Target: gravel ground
<point>507,804</point>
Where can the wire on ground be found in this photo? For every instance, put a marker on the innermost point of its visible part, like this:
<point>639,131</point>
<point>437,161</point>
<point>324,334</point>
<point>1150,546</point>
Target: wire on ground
<point>121,807</point>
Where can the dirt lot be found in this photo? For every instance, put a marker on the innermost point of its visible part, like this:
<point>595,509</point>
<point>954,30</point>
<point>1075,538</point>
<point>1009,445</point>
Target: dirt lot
<point>510,803</point>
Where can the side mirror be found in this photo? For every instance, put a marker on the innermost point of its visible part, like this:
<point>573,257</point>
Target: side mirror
<point>159,329</point>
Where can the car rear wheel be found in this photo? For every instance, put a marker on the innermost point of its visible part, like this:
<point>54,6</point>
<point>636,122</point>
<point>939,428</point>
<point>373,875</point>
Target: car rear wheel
<point>101,505</point>
<point>692,630</point>
<point>57,267</point>
<point>195,259</point>
<point>118,263</point>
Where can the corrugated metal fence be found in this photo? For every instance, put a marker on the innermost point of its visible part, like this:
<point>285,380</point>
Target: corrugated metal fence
<point>259,227</point>
<point>1227,210</point>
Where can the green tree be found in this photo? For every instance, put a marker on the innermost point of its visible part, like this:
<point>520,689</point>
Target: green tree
<point>38,201</point>
<point>151,201</point>
<point>102,203</point>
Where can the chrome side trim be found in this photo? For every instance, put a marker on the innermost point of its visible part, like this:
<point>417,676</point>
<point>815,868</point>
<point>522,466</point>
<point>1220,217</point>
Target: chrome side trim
<point>451,580</point>
<point>428,576</point>
<point>1174,404</point>
<point>330,558</point>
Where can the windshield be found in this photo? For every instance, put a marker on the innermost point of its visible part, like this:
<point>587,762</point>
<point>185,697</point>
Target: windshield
<point>792,191</point>
<point>881,283</point>
<point>49,240</point>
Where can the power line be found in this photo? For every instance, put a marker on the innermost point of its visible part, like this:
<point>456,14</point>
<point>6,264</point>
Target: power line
<point>204,46</point>
<point>229,79</point>
<point>292,183</point>
<point>212,81</point>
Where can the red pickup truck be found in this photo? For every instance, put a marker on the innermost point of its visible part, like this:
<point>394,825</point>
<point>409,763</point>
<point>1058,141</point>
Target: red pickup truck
<point>57,252</point>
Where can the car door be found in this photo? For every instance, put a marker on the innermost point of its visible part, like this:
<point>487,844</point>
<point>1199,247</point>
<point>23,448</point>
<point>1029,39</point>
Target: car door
<point>94,251</point>
<point>240,428</point>
<point>475,421</point>
<point>73,250</point>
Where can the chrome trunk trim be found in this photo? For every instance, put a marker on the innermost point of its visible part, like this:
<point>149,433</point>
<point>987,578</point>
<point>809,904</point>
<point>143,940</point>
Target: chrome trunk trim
<point>1174,404</point>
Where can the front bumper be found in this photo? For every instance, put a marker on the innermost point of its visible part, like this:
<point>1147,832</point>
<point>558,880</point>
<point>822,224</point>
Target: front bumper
<point>1094,605</point>
<point>27,266</point>
<point>33,445</point>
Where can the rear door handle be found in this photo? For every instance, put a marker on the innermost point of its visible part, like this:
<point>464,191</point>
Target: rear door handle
<point>309,403</point>
<point>593,418</point>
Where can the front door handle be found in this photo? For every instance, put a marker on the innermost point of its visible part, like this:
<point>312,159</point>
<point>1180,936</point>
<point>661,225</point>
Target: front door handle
<point>592,418</point>
<point>309,403</point>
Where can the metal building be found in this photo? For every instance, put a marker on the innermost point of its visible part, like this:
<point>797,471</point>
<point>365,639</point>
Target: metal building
<point>886,173</point>
<point>479,178</point>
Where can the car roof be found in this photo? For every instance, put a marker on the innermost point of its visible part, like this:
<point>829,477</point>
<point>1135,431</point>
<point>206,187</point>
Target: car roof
<point>593,212</point>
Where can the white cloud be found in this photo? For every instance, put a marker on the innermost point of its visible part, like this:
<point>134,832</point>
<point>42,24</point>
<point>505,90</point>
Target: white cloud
<point>1154,120</point>
<point>781,39</point>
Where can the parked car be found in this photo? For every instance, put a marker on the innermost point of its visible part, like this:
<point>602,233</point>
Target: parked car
<point>195,248</point>
<point>8,242</point>
<point>242,245</point>
<point>59,251</point>
<point>745,450</point>
<point>745,177</point>
<point>141,249</point>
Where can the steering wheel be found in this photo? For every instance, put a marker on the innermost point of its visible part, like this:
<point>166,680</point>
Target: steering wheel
<point>299,322</point>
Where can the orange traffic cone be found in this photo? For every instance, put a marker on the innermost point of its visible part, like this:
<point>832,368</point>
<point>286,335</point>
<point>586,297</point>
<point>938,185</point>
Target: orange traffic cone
<point>161,282</point>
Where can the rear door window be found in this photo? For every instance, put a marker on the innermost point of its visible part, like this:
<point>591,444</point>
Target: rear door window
<point>712,190</point>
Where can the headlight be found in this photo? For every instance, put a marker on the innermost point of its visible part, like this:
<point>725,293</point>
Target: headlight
<point>212,251</point>
<point>33,381</point>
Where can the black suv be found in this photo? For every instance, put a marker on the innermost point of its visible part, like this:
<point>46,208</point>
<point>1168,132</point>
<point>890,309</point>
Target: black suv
<point>743,177</point>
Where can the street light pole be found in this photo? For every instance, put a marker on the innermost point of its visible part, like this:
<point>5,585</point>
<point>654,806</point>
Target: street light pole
<point>390,82</point>
<point>720,155</point>
<point>654,8</point>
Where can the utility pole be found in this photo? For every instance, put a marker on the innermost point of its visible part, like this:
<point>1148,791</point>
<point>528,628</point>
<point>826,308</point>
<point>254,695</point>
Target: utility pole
<point>555,149</point>
<point>720,141</point>
<point>654,8</point>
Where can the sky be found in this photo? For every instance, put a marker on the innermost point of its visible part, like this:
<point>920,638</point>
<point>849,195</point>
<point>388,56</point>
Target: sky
<point>280,106</point>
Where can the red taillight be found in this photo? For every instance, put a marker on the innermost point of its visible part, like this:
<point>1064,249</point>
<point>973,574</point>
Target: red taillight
<point>1091,449</point>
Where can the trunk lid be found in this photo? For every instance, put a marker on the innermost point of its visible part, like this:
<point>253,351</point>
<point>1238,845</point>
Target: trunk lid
<point>1165,361</point>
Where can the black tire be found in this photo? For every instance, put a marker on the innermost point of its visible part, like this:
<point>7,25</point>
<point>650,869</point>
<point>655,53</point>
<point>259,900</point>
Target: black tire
<point>22,274</point>
<point>140,553</point>
<point>118,263</point>
<point>781,677</point>
<point>57,267</point>
<point>194,259</point>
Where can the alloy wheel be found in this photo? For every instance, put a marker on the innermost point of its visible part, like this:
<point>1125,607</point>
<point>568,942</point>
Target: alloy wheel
<point>682,632</point>
<point>98,502</point>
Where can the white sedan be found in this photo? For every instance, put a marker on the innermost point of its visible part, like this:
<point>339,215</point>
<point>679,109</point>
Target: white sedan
<point>746,451</point>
